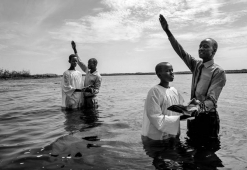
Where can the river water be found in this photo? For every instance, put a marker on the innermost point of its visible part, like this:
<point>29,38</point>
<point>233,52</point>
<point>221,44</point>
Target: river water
<point>35,133</point>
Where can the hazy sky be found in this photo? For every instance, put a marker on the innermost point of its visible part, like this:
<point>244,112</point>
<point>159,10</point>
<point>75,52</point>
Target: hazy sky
<point>124,35</point>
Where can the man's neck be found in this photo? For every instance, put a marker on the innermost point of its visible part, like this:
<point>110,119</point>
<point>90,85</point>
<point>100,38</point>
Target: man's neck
<point>72,68</point>
<point>207,59</point>
<point>92,70</point>
<point>164,84</point>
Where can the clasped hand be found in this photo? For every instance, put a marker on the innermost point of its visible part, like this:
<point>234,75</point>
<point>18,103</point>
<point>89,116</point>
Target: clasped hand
<point>194,107</point>
<point>88,89</point>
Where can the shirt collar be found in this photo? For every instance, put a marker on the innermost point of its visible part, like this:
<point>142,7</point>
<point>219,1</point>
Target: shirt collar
<point>209,63</point>
<point>94,73</point>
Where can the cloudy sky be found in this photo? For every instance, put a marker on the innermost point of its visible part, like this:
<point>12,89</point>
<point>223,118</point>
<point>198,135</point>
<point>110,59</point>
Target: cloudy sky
<point>124,35</point>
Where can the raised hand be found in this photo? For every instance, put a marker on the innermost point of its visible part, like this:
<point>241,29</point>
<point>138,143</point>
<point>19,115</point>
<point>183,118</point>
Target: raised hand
<point>163,22</point>
<point>73,46</point>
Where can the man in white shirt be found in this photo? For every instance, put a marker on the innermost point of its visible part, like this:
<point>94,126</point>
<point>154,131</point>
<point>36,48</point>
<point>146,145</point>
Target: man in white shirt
<point>92,81</point>
<point>72,84</point>
<point>158,122</point>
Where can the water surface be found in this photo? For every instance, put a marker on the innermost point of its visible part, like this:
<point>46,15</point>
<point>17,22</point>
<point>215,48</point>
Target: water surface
<point>35,133</point>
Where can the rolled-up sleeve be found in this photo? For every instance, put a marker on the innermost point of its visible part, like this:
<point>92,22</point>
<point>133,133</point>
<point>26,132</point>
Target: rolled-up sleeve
<point>97,84</point>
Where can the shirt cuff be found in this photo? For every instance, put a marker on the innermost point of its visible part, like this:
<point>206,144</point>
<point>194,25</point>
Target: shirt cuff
<point>172,124</point>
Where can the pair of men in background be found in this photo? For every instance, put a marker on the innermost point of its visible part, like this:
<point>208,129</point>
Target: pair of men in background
<point>208,80</point>
<point>75,93</point>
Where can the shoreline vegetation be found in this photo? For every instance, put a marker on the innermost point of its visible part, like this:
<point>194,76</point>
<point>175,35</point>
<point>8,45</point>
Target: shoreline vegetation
<point>24,74</point>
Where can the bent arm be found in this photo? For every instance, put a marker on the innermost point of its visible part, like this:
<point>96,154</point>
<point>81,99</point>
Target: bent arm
<point>81,64</point>
<point>97,85</point>
<point>164,123</point>
<point>217,84</point>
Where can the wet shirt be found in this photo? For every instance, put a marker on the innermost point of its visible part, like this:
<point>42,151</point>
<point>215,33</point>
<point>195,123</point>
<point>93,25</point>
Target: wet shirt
<point>93,79</point>
<point>208,78</point>
<point>72,79</point>
<point>158,122</point>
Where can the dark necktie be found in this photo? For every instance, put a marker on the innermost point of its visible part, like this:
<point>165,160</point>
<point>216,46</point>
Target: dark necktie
<point>197,78</point>
<point>199,73</point>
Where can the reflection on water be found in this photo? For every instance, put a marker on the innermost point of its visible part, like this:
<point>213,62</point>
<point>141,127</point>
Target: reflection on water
<point>191,154</point>
<point>81,119</point>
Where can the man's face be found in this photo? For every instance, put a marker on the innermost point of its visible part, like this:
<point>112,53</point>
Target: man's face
<point>206,50</point>
<point>91,65</point>
<point>166,75</point>
<point>73,61</point>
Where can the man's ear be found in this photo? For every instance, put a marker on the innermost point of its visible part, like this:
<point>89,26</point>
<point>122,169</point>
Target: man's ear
<point>158,74</point>
<point>214,51</point>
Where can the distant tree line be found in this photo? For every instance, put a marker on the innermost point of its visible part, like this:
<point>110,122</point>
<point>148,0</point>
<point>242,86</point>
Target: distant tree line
<point>13,74</point>
<point>6,74</point>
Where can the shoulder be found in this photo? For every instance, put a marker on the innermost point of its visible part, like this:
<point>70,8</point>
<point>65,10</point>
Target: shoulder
<point>66,73</point>
<point>97,74</point>
<point>78,72</point>
<point>173,89</point>
<point>155,90</point>
<point>219,70</point>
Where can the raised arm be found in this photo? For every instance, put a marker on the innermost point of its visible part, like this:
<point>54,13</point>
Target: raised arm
<point>190,61</point>
<point>80,63</point>
<point>165,26</point>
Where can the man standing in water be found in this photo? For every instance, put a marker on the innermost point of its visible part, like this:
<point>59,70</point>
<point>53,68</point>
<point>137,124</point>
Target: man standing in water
<point>158,122</point>
<point>92,80</point>
<point>207,83</point>
<point>72,84</point>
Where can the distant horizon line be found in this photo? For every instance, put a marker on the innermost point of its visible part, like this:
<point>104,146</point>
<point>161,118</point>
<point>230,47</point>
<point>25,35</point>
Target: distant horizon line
<point>153,73</point>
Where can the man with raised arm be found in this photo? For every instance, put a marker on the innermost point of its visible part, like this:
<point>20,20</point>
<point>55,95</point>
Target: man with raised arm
<point>92,80</point>
<point>208,80</point>
<point>72,84</point>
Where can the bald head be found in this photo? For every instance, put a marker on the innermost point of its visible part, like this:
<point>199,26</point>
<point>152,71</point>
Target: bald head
<point>159,67</point>
<point>214,43</point>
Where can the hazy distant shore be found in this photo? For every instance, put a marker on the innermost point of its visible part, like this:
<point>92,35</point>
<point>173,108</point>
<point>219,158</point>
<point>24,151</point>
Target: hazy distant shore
<point>180,72</point>
<point>43,76</point>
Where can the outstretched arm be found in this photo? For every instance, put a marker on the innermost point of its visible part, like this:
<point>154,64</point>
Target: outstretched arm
<point>190,61</point>
<point>80,63</point>
<point>165,26</point>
